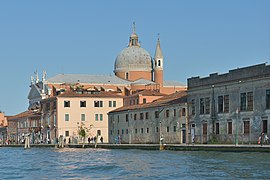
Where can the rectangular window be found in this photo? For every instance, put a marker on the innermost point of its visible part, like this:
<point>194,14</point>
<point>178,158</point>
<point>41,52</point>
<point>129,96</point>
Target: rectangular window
<point>246,101</point>
<point>174,112</point>
<point>246,127</point>
<point>229,127</point>
<point>147,130</point>
<point>156,114</point>
<point>183,111</point>
<point>226,103</point>
<point>66,103</point>
<point>217,128</point>
<point>135,117</point>
<point>136,131</point>
<point>82,117</point>
<point>267,98</point>
<point>168,129</point>
<point>144,100</point>
<point>126,131</point>
<point>141,116</point>
<point>110,103</point>
<point>142,130</point>
<point>220,104</point>
<point>126,117</point>
<point>101,117</point>
<point>98,103</point>
<point>96,117</point>
<point>146,115</point>
<point>156,129</point>
<point>174,128</point>
<point>193,106</point>
<point>202,106</point>
<point>82,103</point>
<point>122,131</point>
<point>114,103</point>
<point>167,113</point>
<point>66,117</point>
<point>67,133</point>
<point>250,101</point>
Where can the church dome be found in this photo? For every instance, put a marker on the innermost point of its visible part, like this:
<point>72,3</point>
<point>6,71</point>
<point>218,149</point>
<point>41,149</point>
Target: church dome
<point>133,58</point>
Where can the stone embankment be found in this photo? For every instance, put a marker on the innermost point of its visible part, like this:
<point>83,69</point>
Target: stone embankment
<point>173,147</point>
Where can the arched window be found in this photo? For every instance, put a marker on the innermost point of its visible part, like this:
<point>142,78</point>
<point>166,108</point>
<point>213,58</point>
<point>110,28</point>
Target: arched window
<point>159,63</point>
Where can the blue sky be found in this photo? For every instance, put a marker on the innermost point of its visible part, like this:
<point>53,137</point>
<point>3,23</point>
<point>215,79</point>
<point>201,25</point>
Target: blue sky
<point>84,37</point>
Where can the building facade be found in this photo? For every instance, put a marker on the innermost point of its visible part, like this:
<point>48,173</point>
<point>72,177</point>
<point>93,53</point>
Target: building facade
<point>147,123</point>
<point>230,108</point>
<point>63,115</point>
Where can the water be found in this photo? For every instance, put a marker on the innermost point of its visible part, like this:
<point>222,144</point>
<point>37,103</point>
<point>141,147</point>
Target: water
<point>50,163</point>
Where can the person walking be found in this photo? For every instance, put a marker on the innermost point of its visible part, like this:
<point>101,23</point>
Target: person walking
<point>101,140</point>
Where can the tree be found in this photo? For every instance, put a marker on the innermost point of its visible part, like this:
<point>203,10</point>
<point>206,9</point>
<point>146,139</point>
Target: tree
<point>82,133</point>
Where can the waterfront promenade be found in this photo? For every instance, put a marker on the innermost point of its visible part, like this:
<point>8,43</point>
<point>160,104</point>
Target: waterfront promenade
<point>173,147</point>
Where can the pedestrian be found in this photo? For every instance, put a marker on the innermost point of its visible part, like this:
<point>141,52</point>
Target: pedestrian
<point>89,140</point>
<point>266,139</point>
<point>101,140</point>
<point>261,139</point>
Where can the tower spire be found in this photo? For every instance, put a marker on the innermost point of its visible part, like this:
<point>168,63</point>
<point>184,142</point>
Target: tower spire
<point>158,54</point>
<point>134,28</point>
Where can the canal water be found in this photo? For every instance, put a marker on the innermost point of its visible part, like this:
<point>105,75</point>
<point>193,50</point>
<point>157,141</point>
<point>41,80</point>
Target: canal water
<point>50,163</point>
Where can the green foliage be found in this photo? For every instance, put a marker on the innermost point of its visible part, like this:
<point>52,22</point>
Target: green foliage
<point>82,132</point>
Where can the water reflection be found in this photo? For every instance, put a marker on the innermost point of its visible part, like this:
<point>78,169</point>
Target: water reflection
<point>50,163</point>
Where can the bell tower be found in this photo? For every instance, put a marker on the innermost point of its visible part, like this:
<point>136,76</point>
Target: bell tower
<point>158,66</point>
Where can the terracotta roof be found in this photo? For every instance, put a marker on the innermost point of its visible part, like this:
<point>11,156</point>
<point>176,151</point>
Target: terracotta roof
<point>100,94</point>
<point>23,115</point>
<point>175,98</point>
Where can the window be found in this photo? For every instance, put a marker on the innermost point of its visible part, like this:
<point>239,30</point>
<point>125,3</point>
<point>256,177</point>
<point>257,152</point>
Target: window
<point>82,117</point>
<point>126,131</point>
<point>183,112</point>
<point>229,127</point>
<point>159,64</point>
<point>144,100</point>
<point>220,104</point>
<point>118,132</point>
<point>96,117</point>
<point>98,103</point>
<point>246,101</point>
<point>193,106</point>
<point>147,130</point>
<point>122,131</point>
<point>146,115</point>
<point>67,133</point>
<point>136,131</point>
<point>66,117</point>
<point>246,127</point>
<point>126,75</point>
<point>205,105</point>
<point>142,130</point>
<point>99,132</point>
<point>135,116</point>
<point>101,117</point>
<point>66,103</point>
<point>156,114</point>
<point>156,129</point>
<point>167,113</point>
<point>82,103</point>
<point>174,112</point>
<point>174,128</point>
<point>114,103</point>
<point>267,98</point>
<point>168,129</point>
<point>202,106</point>
<point>110,103</point>
<point>141,116</point>
<point>217,128</point>
<point>126,117</point>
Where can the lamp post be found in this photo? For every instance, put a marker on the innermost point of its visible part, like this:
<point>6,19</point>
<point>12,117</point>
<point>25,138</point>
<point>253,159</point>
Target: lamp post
<point>236,130</point>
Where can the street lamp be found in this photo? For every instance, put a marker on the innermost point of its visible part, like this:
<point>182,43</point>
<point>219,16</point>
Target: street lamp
<point>236,131</point>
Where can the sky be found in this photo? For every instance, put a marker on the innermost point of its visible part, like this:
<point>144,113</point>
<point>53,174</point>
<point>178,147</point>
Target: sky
<point>84,37</point>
